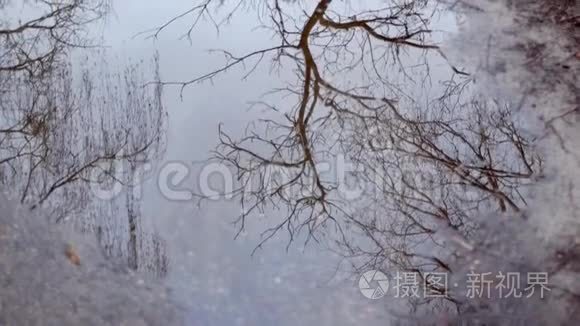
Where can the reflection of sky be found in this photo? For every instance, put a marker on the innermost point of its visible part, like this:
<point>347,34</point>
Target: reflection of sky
<point>208,268</point>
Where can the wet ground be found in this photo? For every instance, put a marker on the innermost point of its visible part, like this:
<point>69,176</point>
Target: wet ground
<point>50,276</point>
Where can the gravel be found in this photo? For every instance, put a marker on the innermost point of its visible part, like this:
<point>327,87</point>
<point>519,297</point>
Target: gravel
<point>50,276</point>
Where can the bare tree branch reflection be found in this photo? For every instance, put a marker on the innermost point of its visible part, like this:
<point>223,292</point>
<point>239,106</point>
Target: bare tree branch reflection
<point>430,154</point>
<point>66,128</point>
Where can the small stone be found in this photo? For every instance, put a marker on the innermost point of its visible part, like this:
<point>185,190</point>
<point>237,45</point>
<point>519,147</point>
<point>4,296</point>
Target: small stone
<point>72,255</point>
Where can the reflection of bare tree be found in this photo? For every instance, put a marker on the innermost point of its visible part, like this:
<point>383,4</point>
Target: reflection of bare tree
<point>128,239</point>
<point>36,41</point>
<point>65,131</point>
<point>361,79</point>
<point>435,173</point>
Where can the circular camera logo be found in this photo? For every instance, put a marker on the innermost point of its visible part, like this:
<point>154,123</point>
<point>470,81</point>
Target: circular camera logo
<point>373,284</point>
